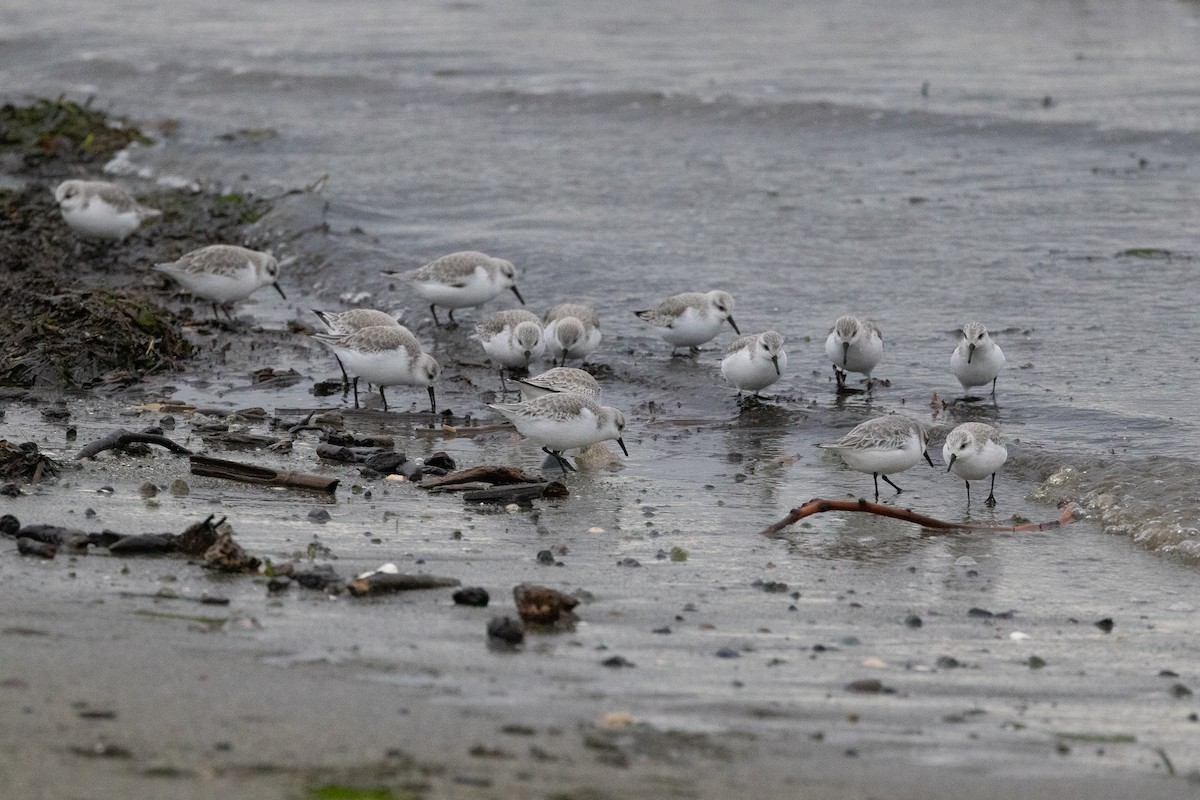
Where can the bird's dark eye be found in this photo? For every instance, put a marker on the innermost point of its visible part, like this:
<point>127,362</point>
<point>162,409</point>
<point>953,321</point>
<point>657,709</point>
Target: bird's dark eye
<point>962,446</point>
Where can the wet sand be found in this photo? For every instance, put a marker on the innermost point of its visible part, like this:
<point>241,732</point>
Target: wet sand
<point>731,682</point>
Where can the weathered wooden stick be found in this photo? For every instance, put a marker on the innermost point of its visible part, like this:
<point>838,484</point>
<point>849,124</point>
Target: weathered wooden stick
<point>819,505</point>
<point>516,492</point>
<point>385,583</point>
<point>121,438</point>
<point>485,472</point>
<point>251,473</point>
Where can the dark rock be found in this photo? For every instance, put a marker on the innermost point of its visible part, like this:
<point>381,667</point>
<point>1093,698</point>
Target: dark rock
<point>9,525</point>
<point>1179,690</point>
<point>913,621</point>
<point>1036,662</point>
<point>475,596</point>
<point>948,662</point>
<point>728,652</point>
<point>147,490</point>
<point>319,516</point>
<point>505,631</point>
<point>629,562</point>
<point>546,557</point>
<point>10,490</point>
<point>278,584</point>
<point>317,578</point>
<point>980,612</point>
<point>542,605</point>
<point>616,662</point>
<point>868,686</point>
<point>441,460</point>
<point>385,463</point>
<point>1105,624</point>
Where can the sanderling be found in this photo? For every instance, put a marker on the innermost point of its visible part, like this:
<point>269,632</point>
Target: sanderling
<point>564,421</point>
<point>461,280</point>
<point>560,379</point>
<point>572,331</point>
<point>512,339</point>
<point>977,360</point>
<point>973,451</point>
<point>854,346</point>
<point>883,446</point>
<point>692,318</point>
<point>354,320</point>
<point>754,362</point>
<point>385,355</point>
<point>223,273</point>
<point>100,210</point>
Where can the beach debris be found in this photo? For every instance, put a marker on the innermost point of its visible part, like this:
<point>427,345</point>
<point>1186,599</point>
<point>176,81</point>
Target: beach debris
<point>1105,625</point>
<point>495,484</point>
<point>226,555</point>
<point>121,439</point>
<point>144,544</point>
<point>25,462</point>
<point>475,596</point>
<point>32,547</point>
<point>820,505</point>
<point>251,473</point>
<point>198,537</point>
<point>505,633</point>
<point>541,605</point>
<point>387,578</point>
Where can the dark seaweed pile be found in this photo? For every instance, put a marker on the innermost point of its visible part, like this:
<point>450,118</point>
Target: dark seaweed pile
<point>75,312</point>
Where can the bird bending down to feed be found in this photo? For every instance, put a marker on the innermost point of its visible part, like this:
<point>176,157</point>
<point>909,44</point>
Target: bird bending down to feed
<point>385,355</point>
<point>854,345</point>
<point>461,280</point>
<point>224,274</point>
<point>564,421</point>
<point>883,446</point>
<point>752,363</point>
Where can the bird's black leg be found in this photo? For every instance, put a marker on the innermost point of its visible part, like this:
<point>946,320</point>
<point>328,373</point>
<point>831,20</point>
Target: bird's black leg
<point>875,475</point>
<point>968,483</point>
<point>557,456</point>
<point>345,377</point>
<point>433,310</point>
<point>452,322</point>
<point>356,391</point>
<point>383,397</point>
<point>889,483</point>
<point>991,500</point>
<point>840,376</point>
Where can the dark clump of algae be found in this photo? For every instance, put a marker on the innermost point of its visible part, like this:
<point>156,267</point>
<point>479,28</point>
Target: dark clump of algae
<point>75,314</point>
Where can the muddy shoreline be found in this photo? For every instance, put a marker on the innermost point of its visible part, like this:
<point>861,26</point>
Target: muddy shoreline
<point>851,658</point>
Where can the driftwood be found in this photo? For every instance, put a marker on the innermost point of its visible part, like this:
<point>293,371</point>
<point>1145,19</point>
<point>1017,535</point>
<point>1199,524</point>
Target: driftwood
<point>819,505</point>
<point>485,473</point>
<point>388,582</point>
<point>251,473</point>
<point>122,438</point>
<point>516,492</point>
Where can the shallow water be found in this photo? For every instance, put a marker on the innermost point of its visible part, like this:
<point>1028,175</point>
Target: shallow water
<point>785,153</point>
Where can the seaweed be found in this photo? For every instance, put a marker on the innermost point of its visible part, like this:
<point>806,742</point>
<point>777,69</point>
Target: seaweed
<point>52,136</point>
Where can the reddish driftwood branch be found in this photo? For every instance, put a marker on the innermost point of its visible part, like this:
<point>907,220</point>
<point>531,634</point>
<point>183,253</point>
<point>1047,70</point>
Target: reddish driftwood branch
<point>819,505</point>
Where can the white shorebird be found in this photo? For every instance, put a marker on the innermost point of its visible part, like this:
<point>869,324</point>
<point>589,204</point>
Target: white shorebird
<point>353,320</point>
<point>224,273</point>
<point>385,355</point>
<point>854,345</point>
<point>752,363</point>
<point>100,210</point>
<point>461,280</point>
<point>883,446</point>
<point>512,339</point>
<point>572,331</point>
<point>564,421</point>
<point>692,318</point>
<point>973,451</point>
<point>560,379</point>
<point>977,360</point>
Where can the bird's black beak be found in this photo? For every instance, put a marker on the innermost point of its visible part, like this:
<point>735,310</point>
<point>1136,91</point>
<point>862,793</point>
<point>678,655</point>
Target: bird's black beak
<point>927,458</point>
<point>970,352</point>
<point>621,442</point>
<point>845,353</point>
<point>518,294</point>
<point>775,361</point>
<point>949,463</point>
<point>279,289</point>
<point>734,324</point>
<point>432,401</point>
